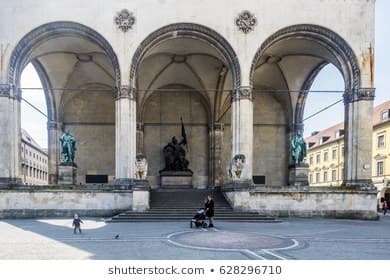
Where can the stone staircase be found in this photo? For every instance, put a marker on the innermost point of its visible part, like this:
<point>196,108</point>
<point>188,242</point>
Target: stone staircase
<point>182,204</point>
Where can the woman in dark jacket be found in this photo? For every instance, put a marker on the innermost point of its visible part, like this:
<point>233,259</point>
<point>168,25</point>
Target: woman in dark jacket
<point>209,208</point>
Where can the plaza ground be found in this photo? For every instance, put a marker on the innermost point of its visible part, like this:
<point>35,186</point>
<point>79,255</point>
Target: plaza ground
<point>308,239</point>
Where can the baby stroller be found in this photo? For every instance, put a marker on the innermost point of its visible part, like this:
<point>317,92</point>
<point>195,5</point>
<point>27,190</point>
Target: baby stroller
<point>199,220</point>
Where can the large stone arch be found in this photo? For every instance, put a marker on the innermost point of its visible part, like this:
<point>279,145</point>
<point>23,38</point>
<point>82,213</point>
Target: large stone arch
<point>187,30</point>
<point>341,50</point>
<point>21,53</point>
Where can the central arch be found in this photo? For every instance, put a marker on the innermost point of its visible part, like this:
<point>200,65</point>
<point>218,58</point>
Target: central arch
<point>196,67</point>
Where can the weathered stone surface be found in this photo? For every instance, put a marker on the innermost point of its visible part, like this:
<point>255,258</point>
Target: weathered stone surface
<point>38,203</point>
<point>299,175</point>
<point>67,174</point>
<point>331,202</point>
<point>181,179</point>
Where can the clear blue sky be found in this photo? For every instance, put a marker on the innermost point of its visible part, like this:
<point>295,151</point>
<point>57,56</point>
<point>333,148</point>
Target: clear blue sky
<point>328,79</point>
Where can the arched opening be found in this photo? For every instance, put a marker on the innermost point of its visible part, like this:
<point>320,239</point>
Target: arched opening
<point>34,143</point>
<point>79,72</point>
<point>282,73</point>
<point>183,70</point>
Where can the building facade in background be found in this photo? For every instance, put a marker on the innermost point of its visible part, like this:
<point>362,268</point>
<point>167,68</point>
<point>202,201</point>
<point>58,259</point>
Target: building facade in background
<point>34,161</point>
<point>326,153</point>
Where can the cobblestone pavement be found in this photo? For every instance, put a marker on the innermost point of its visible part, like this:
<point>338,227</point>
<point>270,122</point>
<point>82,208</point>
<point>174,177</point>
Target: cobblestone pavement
<point>308,239</point>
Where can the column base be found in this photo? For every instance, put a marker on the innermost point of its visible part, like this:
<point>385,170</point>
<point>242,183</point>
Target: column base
<point>141,196</point>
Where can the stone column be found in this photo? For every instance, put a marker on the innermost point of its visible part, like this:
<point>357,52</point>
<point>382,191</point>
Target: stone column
<point>242,128</point>
<point>358,137</point>
<point>54,151</point>
<point>10,157</point>
<point>216,169</point>
<point>125,136</point>
<point>140,138</point>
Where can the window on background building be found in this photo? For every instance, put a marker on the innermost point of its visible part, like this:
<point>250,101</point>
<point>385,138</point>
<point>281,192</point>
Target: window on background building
<point>317,177</point>
<point>381,141</point>
<point>342,151</point>
<point>325,176</point>
<point>325,156</point>
<point>310,178</point>
<point>342,174</point>
<point>318,158</point>
<point>334,154</point>
<point>334,175</point>
<point>385,115</point>
<point>311,160</point>
<point>379,168</point>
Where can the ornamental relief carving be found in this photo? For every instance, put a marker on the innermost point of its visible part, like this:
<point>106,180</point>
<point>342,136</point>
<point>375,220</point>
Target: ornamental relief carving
<point>124,20</point>
<point>5,90</point>
<point>246,22</point>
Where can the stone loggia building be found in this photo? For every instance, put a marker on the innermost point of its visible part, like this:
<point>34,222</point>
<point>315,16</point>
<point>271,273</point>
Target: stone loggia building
<point>120,75</point>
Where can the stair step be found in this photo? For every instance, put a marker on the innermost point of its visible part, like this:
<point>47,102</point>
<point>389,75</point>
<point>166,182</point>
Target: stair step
<point>181,204</point>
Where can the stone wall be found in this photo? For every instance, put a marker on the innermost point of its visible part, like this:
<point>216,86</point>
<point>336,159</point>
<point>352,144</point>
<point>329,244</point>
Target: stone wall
<point>51,203</point>
<point>331,202</point>
<point>90,116</point>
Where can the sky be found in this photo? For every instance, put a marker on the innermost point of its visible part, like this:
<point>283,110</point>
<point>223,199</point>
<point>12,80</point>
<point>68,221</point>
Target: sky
<point>328,79</point>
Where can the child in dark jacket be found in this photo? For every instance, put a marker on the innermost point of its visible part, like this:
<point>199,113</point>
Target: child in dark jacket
<point>77,223</point>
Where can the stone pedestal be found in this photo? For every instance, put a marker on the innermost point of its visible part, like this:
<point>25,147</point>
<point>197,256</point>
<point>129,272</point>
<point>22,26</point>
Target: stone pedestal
<point>67,174</point>
<point>299,175</point>
<point>141,196</point>
<point>176,179</point>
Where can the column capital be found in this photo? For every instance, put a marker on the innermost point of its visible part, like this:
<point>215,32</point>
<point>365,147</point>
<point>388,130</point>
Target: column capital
<point>126,91</point>
<point>52,125</point>
<point>218,126</point>
<point>358,94</point>
<point>242,92</point>
<point>5,90</point>
<point>140,126</point>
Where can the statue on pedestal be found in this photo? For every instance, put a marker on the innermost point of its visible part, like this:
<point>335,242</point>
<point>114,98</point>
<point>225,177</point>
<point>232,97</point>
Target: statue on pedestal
<point>174,153</point>
<point>141,165</point>
<point>68,147</point>
<point>298,149</point>
<point>236,166</point>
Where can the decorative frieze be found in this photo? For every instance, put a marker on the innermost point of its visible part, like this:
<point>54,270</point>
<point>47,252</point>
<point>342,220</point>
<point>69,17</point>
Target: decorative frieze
<point>359,94</point>
<point>126,92</point>
<point>246,21</point>
<point>366,93</point>
<point>242,93</point>
<point>124,20</point>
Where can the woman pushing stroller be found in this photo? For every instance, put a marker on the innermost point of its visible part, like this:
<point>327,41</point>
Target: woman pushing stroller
<point>209,208</point>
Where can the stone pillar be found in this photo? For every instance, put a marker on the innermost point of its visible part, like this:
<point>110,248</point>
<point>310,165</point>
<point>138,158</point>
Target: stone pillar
<point>140,138</point>
<point>54,151</point>
<point>125,136</point>
<point>358,137</point>
<point>216,169</point>
<point>10,157</point>
<point>242,128</point>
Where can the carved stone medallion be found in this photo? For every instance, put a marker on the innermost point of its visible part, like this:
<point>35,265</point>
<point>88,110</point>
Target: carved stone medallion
<point>246,21</point>
<point>124,20</point>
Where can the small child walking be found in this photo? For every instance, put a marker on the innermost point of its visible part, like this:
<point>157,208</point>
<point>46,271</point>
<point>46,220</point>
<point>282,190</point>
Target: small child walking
<point>76,223</point>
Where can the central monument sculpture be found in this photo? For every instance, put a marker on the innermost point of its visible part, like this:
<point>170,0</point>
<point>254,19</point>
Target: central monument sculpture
<point>176,172</point>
